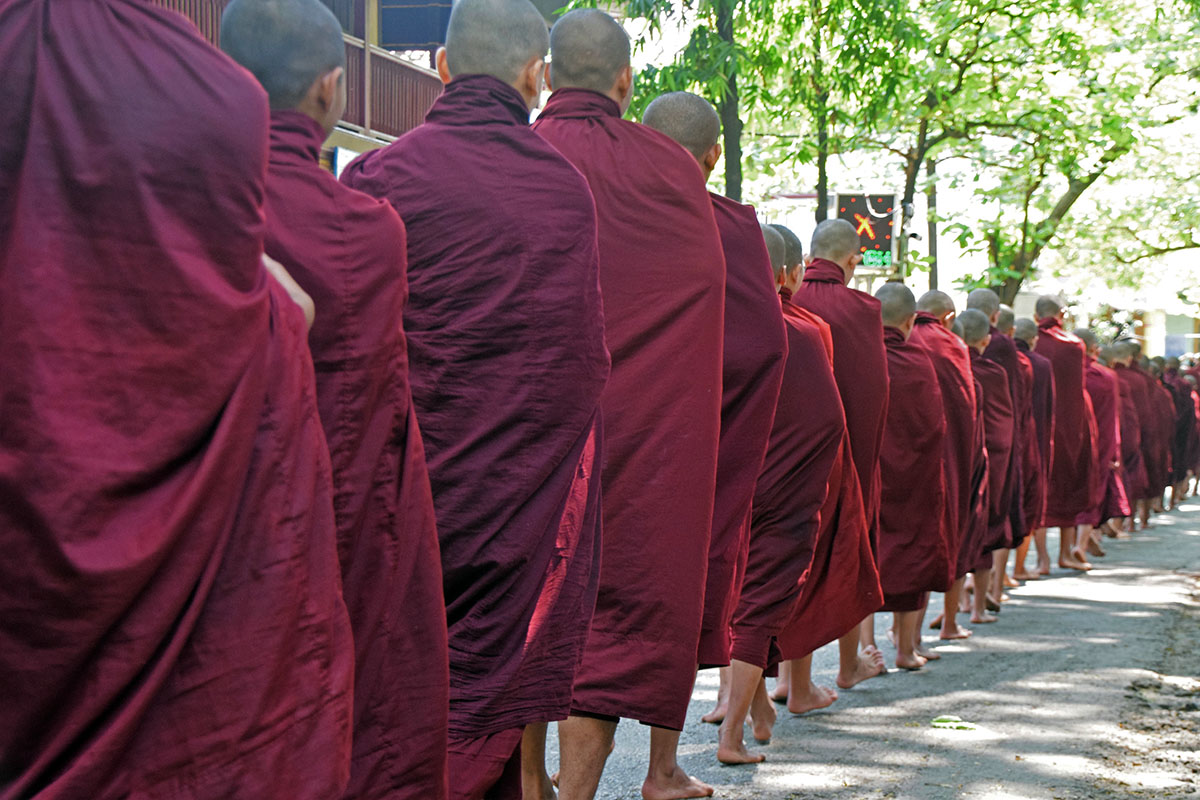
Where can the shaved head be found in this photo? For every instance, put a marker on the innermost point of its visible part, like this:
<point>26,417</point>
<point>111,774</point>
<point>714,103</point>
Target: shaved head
<point>1089,339</point>
<point>1005,321</point>
<point>1026,330</point>
<point>1124,351</point>
<point>834,240</point>
<point>286,44</point>
<point>897,304</point>
<point>984,300</point>
<point>1047,307</point>
<point>687,118</point>
<point>495,37</point>
<point>1172,363</point>
<point>936,303</point>
<point>795,250</point>
<point>975,326</point>
<point>588,50</point>
<point>777,248</point>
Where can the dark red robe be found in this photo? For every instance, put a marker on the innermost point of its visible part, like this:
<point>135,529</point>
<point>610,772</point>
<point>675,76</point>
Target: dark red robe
<point>171,619</point>
<point>952,364</point>
<point>1031,457</point>
<point>508,361</point>
<point>663,277</point>
<point>1109,499</point>
<point>971,554</point>
<point>1164,418</point>
<point>860,366</point>
<point>1133,464</point>
<point>1185,424</point>
<point>998,436</point>
<point>347,251</point>
<point>1002,351</point>
<point>1156,445</point>
<point>914,547</point>
<point>1073,470</point>
<point>806,437</point>
<point>1037,489</point>
<point>842,585</point>
<point>755,346</point>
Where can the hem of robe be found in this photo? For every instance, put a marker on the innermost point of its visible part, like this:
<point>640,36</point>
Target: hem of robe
<point>481,725</point>
<point>983,563</point>
<point>485,767</point>
<point>610,712</point>
<point>757,646</point>
<point>907,601</point>
<point>714,649</point>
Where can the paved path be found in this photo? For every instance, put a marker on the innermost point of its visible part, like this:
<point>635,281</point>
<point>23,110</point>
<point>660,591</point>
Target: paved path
<point>1085,688</point>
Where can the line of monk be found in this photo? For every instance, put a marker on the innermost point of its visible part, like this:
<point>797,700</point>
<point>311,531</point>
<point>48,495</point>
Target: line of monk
<point>315,488</point>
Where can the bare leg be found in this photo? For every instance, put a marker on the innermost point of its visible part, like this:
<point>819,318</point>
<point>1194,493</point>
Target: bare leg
<point>855,667</point>
<point>780,694</point>
<point>950,627</point>
<point>1043,552</point>
<point>921,650</point>
<point>979,612</point>
<point>1000,579</point>
<point>718,713</point>
<point>1143,508</point>
<point>1019,571</point>
<point>584,744</point>
<point>805,695</point>
<point>762,714</point>
<point>906,640</point>
<point>665,779</point>
<point>1066,550</point>
<point>731,747</point>
<point>1090,543</point>
<point>866,632</point>
<point>535,782</point>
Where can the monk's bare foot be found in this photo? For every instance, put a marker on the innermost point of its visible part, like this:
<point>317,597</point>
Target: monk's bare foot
<point>728,754</point>
<point>992,603</point>
<point>1043,568</point>
<point>982,619</point>
<point>819,697</point>
<point>1022,575</point>
<point>780,693</point>
<point>675,786</point>
<point>937,622</point>
<point>868,665</point>
<point>1094,548</point>
<point>926,653</point>
<point>957,632</point>
<point>912,662</point>
<point>762,722</point>
<point>1009,583</point>
<point>1068,562</point>
<point>891,634</point>
<point>717,715</point>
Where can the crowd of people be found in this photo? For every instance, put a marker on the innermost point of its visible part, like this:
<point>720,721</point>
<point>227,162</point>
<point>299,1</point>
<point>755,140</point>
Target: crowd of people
<point>315,489</point>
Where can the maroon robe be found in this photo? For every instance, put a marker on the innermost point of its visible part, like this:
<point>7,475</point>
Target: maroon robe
<point>1003,351</point>
<point>1072,471</point>
<point>507,354</point>
<point>1185,424</point>
<point>755,346</point>
<point>171,619</point>
<point>975,531</point>
<point>806,436</point>
<point>914,547</point>
<point>951,361</point>
<point>842,585</point>
<point>1043,424</point>
<point>1164,417</point>
<point>998,436</point>
<point>1109,500</point>
<point>346,250</point>
<point>1156,446</point>
<point>1133,464</point>
<point>860,366</point>
<point>663,278</point>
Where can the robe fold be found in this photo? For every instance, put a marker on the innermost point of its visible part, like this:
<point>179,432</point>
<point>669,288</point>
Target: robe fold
<point>1073,470</point>
<point>975,531</point>
<point>663,277</point>
<point>914,547</point>
<point>171,618</point>
<point>842,585</point>
<point>860,366</point>
<point>1003,351</point>
<point>346,250</point>
<point>508,361</point>
<point>755,346</point>
<point>1037,488</point>
<point>1156,447</point>
<point>952,365</point>
<point>806,437</point>
<point>1108,499</point>
<point>1133,465</point>
<point>998,436</point>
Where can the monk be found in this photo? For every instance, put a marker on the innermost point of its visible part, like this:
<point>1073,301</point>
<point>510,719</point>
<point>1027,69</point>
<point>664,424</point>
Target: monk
<point>914,545</point>
<point>1031,467</point>
<point>1164,417</point>
<point>1001,350</point>
<point>860,366</point>
<point>1109,500</point>
<point>171,618</point>
<point>755,346</point>
<point>511,432</point>
<point>806,438</point>
<point>1025,336</point>
<point>347,251</point>
<point>1073,472</point>
<point>997,407</point>
<point>951,362</point>
<point>1183,430</point>
<point>663,276</point>
<point>1133,463</point>
<point>843,574</point>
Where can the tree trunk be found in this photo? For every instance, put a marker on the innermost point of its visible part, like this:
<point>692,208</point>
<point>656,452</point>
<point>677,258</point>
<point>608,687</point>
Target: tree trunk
<point>731,121</point>
<point>822,159</point>
<point>931,213</point>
